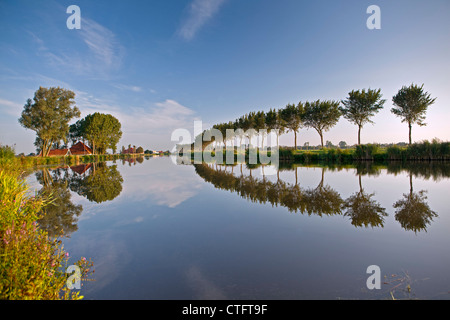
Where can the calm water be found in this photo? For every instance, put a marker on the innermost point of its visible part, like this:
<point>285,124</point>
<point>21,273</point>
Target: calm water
<point>156,230</point>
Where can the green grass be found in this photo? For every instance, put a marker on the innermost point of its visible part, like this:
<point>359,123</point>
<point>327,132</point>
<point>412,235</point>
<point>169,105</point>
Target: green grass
<point>9,161</point>
<point>423,151</point>
<point>32,264</point>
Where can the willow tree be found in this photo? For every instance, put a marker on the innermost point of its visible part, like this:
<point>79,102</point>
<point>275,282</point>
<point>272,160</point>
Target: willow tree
<point>260,125</point>
<point>412,104</point>
<point>321,116</point>
<point>360,106</point>
<point>49,114</point>
<point>292,118</point>
<point>271,121</point>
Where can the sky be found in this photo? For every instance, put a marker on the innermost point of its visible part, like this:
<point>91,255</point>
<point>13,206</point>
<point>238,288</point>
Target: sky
<point>160,65</point>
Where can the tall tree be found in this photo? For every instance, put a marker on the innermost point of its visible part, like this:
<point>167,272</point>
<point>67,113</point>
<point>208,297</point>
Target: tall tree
<point>321,116</point>
<point>412,104</point>
<point>103,131</point>
<point>360,106</point>
<point>280,127</point>
<point>249,126</point>
<point>260,125</point>
<point>271,120</point>
<point>291,116</point>
<point>49,114</point>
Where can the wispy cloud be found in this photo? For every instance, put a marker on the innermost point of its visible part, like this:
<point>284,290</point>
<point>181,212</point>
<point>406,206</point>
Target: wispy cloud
<point>9,107</point>
<point>151,125</point>
<point>102,43</point>
<point>200,12</point>
<point>128,87</point>
<point>95,52</point>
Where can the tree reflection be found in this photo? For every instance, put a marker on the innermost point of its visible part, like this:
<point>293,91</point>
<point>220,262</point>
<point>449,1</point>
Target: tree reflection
<point>363,210</point>
<point>413,212</point>
<point>96,181</point>
<point>322,200</point>
<point>104,183</point>
<point>60,217</point>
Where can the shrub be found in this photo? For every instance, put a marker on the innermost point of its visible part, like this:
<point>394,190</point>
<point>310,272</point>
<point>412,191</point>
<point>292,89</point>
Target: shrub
<point>7,154</point>
<point>366,151</point>
<point>32,264</point>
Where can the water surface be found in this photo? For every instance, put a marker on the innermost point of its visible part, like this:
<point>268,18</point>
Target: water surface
<point>157,230</point>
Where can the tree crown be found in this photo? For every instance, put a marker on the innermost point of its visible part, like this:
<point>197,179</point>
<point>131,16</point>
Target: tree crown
<point>412,104</point>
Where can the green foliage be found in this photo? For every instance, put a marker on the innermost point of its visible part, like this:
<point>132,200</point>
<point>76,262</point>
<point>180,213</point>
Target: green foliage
<point>411,105</point>
<point>291,117</point>
<point>360,106</point>
<point>61,215</point>
<point>32,264</point>
<point>103,184</point>
<point>7,155</point>
<point>413,211</point>
<point>425,150</point>
<point>103,131</point>
<point>366,151</point>
<point>321,115</point>
<point>140,150</point>
<point>49,114</point>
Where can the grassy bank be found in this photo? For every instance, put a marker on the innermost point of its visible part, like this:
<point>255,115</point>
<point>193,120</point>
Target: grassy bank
<point>32,264</point>
<point>31,162</point>
<point>424,151</point>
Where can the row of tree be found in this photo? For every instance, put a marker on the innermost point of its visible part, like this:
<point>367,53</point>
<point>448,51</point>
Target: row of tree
<point>49,114</point>
<point>411,104</point>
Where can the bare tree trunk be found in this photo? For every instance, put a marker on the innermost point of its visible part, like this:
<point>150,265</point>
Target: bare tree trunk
<point>410,128</point>
<point>360,184</point>
<point>321,138</point>
<point>295,139</point>
<point>359,135</point>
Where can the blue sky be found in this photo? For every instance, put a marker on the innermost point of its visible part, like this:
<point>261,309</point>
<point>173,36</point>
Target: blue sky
<point>159,65</point>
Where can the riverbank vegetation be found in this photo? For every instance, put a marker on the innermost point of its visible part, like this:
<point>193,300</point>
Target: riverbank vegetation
<point>422,151</point>
<point>8,159</point>
<point>435,150</point>
<point>33,264</point>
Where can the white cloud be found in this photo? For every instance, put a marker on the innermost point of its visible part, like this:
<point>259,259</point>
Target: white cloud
<point>102,42</point>
<point>128,87</point>
<point>200,12</point>
<point>169,187</point>
<point>104,52</point>
<point>149,126</point>
<point>11,108</point>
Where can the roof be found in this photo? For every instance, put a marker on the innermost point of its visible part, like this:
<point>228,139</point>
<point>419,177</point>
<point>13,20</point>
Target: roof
<point>58,152</point>
<point>80,169</point>
<point>80,149</point>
